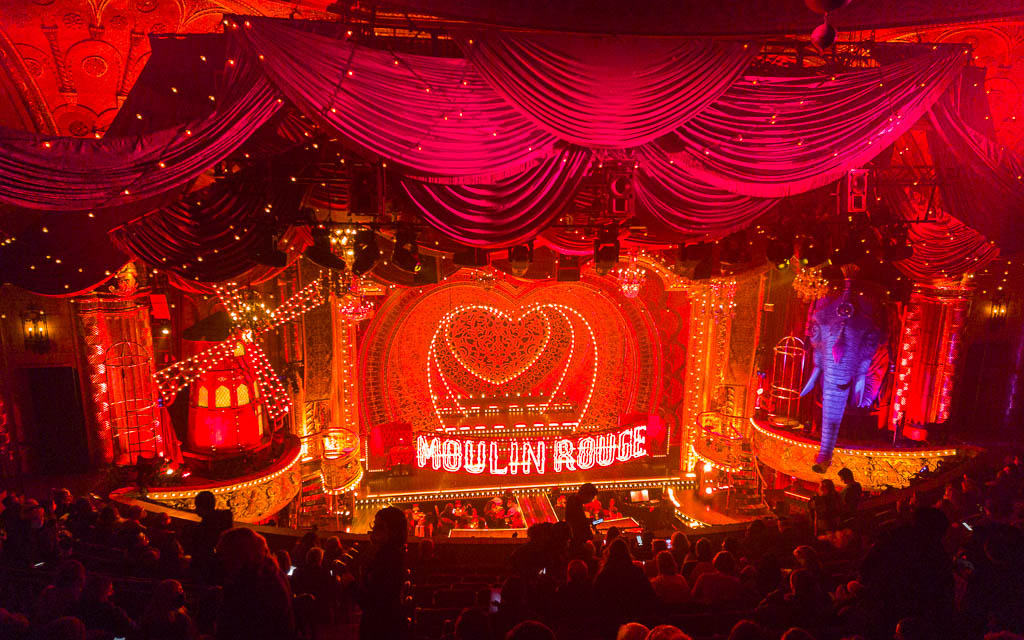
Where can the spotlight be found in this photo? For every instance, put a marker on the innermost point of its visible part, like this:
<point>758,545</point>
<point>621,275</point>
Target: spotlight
<point>606,251</point>
<point>320,252</point>
<point>520,257</point>
<point>779,251</point>
<point>407,254</point>
<point>266,252</point>
<point>364,251</point>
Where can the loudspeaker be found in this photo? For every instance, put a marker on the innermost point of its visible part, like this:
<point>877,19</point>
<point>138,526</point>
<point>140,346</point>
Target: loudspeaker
<point>57,438</point>
<point>620,190</point>
<point>428,273</point>
<point>471,257</point>
<point>568,269</point>
<point>857,190</point>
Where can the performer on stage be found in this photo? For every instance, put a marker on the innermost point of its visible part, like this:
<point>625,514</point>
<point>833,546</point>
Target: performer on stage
<point>575,514</point>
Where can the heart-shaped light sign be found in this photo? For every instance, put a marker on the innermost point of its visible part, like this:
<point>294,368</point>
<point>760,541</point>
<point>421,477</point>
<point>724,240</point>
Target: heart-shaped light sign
<point>495,346</point>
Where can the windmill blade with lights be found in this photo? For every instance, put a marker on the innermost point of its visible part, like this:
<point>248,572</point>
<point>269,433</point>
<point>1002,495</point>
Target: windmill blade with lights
<point>250,319</point>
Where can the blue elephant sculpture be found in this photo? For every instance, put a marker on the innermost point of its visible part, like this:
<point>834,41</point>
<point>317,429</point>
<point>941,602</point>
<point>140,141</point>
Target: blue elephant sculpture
<point>849,337</point>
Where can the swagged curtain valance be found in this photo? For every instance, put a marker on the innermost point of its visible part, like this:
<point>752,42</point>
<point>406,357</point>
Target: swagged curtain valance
<point>491,146</point>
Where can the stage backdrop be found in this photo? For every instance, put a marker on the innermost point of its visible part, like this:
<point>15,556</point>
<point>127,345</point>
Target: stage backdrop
<point>483,355</point>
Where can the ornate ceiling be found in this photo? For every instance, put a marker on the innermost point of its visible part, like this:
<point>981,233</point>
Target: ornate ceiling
<point>67,65</point>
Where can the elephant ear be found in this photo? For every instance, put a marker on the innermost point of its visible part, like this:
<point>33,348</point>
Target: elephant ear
<point>875,374</point>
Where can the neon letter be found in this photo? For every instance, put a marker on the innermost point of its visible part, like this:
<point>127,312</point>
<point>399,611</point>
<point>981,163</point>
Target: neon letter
<point>640,441</point>
<point>607,447</point>
<point>626,449</point>
<point>475,456</point>
<point>513,457</point>
<point>451,455</point>
<point>533,452</point>
<point>494,461</point>
<point>564,455</point>
<point>427,449</point>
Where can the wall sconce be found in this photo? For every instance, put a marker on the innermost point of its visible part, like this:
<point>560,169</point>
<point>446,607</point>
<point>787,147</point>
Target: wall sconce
<point>33,327</point>
<point>997,310</point>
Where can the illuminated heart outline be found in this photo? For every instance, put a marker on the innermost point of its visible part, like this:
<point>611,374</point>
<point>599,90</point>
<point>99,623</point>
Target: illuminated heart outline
<point>511,321</point>
<point>432,359</point>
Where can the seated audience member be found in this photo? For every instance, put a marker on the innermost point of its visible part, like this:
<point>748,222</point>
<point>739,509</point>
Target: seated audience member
<point>513,607</point>
<point>530,630</point>
<point>98,613</point>
<point>473,624</point>
<point>284,561</point>
<point>575,597</point>
<point>721,587</point>
<point>703,554</point>
<point>679,545</point>
<point>850,496</point>
<point>632,631</point>
<point>748,630</point>
<point>621,592</point>
<point>61,598</point>
<point>165,617</point>
<point>667,632</point>
<point>825,507</point>
<point>257,603</point>
<point>670,587</point>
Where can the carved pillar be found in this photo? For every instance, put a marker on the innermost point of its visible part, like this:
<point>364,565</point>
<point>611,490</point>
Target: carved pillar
<point>340,466</point>
<point>927,357</point>
<point>118,345</point>
<point>711,311</point>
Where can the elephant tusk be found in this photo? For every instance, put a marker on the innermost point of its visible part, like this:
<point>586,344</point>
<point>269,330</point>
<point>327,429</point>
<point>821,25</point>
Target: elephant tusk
<point>810,381</point>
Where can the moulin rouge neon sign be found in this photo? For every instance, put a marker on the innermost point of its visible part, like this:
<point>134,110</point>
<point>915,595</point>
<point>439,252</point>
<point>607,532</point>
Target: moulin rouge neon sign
<point>524,456</point>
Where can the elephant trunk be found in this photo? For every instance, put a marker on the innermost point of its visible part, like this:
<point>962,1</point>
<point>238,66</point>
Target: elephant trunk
<point>833,405</point>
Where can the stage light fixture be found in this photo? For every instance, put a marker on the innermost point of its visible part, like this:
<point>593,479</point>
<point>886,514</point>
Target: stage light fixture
<point>779,251</point>
<point>364,251</point>
<point>320,251</point>
<point>606,251</point>
<point>407,254</point>
<point>520,257</point>
<point>266,252</point>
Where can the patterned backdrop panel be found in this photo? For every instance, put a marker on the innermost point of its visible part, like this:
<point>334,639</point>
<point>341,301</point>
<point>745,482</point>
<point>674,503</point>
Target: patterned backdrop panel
<point>465,352</point>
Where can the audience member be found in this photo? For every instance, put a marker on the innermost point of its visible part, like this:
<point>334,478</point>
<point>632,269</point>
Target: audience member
<point>670,587</point>
<point>257,600</point>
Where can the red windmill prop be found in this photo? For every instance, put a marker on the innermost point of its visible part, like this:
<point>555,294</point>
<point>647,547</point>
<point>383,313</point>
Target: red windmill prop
<point>251,320</point>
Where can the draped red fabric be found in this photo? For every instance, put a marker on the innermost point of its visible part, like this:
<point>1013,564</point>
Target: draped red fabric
<point>507,212</point>
<point>682,202</point>
<point>433,117</point>
<point>773,137</point>
<point>982,182</point>
<point>55,173</point>
<point>944,247</point>
<point>606,91</point>
<point>212,234</point>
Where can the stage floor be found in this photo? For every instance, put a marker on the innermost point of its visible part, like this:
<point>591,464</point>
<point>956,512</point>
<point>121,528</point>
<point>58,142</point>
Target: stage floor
<point>379,490</point>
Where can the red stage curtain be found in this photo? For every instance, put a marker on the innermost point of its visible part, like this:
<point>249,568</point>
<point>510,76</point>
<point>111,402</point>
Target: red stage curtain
<point>684,203</point>
<point>435,118</point>
<point>507,212</point>
<point>606,91</point>
<point>210,235</point>
<point>774,137</point>
<point>982,182</point>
